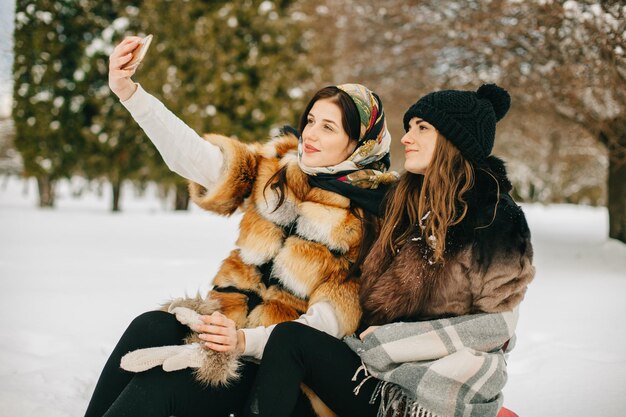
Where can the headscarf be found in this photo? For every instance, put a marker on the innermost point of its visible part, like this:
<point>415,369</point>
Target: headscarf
<point>367,165</point>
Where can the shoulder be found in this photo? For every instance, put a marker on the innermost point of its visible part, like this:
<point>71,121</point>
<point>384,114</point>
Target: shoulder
<point>281,151</point>
<point>278,147</point>
<point>508,227</point>
<point>492,208</point>
<point>494,188</point>
<point>493,221</point>
<point>282,145</point>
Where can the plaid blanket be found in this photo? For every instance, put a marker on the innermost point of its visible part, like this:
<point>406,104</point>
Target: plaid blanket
<point>451,367</point>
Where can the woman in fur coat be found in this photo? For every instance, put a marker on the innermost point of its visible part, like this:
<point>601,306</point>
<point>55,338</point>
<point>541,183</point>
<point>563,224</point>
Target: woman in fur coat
<point>309,202</point>
<point>453,247</point>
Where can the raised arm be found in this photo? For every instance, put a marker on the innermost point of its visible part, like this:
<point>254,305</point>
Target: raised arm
<point>182,149</point>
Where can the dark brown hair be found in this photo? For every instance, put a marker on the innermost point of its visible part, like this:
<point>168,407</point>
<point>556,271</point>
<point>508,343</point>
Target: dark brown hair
<point>349,113</point>
<point>439,191</point>
<point>370,226</point>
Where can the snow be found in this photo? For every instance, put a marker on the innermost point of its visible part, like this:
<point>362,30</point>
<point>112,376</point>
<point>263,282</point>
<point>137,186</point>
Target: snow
<point>266,7</point>
<point>72,279</point>
<point>232,22</point>
<point>6,103</point>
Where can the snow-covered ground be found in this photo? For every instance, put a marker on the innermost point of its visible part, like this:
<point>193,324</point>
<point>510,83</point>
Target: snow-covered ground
<point>71,279</point>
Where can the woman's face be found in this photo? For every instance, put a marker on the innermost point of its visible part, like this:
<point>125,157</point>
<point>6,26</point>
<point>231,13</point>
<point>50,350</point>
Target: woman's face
<point>325,141</point>
<point>419,145</point>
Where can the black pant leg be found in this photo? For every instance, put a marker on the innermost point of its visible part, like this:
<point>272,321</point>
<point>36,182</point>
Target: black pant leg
<point>297,353</point>
<point>154,328</point>
<point>156,393</point>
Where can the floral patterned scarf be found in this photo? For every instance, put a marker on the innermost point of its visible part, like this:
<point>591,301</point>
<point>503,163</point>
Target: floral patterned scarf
<point>367,166</point>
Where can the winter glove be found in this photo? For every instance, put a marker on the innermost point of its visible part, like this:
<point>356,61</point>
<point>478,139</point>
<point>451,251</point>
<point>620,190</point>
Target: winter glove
<point>172,358</point>
<point>211,367</point>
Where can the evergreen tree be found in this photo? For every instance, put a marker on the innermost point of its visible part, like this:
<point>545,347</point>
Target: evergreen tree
<point>236,68</point>
<point>117,148</point>
<point>48,106</point>
<point>233,67</point>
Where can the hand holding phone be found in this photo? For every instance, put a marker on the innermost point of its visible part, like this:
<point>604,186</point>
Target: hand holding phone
<point>139,53</point>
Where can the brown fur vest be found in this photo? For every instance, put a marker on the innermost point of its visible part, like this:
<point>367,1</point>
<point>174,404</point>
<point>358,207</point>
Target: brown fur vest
<point>487,263</point>
<point>286,258</point>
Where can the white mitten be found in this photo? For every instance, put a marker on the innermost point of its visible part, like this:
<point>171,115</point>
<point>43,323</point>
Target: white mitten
<point>189,356</point>
<point>186,316</point>
<point>143,359</point>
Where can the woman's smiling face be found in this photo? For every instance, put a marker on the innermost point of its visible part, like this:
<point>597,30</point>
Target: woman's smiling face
<point>419,145</point>
<point>325,140</point>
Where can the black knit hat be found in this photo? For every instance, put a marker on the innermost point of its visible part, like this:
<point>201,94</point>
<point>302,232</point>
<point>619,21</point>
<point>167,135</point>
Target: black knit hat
<point>466,118</point>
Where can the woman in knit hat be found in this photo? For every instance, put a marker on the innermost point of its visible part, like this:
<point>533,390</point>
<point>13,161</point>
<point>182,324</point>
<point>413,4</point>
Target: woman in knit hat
<point>439,289</point>
<point>310,201</point>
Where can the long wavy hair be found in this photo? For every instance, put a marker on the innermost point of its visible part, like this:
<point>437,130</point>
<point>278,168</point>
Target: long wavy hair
<point>433,202</point>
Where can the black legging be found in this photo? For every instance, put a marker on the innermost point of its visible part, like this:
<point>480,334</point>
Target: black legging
<point>156,393</point>
<point>297,353</point>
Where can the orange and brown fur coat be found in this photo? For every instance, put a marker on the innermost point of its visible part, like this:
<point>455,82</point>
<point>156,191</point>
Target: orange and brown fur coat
<point>310,241</point>
<point>286,258</point>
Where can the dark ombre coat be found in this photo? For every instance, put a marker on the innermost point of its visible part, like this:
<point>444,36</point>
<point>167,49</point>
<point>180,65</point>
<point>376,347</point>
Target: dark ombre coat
<point>487,263</point>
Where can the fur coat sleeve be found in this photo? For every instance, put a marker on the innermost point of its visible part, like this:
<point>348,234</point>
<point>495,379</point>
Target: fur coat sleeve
<point>500,266</point>
<point>239,171</point>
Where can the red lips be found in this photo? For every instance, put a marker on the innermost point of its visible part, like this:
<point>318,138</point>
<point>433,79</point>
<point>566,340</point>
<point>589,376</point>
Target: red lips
<point>310,149</point>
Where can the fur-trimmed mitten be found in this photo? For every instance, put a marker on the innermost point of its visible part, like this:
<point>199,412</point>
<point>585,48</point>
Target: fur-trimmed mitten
<point>211,367</point>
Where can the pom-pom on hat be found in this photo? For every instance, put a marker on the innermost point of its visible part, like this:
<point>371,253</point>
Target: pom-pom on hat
<point>466,118</point>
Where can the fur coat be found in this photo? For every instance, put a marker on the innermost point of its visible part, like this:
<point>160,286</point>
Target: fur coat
<point>487,262</point>
<point>286,258</point>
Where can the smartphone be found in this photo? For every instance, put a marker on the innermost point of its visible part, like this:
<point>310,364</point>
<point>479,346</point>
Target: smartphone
<point>139,53</point>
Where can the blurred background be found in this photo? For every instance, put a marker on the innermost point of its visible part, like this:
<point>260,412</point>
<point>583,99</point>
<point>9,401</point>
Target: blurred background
<point>246,67</point>
<point>72,275</point>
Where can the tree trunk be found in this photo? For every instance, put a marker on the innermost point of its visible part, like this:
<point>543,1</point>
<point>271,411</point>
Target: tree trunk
<point>617,199</point>
<point>181,201</point>
<point>46,191</point>
<point>116,186</point>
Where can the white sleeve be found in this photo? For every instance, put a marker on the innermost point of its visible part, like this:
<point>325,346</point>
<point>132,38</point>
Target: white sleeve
<point>320,316</point>
<point>182,149</point>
